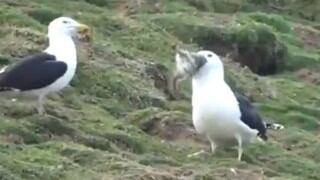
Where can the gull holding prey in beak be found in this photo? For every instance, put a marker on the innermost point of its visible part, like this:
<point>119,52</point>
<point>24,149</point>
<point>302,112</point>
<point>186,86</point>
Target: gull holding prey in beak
<point>220,114</point>
<point>50,70</point>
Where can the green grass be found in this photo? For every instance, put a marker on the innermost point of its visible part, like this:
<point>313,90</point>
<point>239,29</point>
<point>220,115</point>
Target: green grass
<point>111,122</point>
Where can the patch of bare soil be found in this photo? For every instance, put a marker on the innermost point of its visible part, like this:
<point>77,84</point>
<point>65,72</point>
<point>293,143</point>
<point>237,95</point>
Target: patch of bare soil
<point>242,174</point>
<point>222,19</point>
<point>309,36</point>
<point>224,173</point>
<point>159,176</point>
<point>133,6</point>
<point>171,127</point>
<point>308,75</point>
<point>13,3</point>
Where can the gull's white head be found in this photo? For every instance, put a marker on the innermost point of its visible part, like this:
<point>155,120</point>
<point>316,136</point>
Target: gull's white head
<point>213,60</point>
<point>68,27</point>
<point>193,64</point>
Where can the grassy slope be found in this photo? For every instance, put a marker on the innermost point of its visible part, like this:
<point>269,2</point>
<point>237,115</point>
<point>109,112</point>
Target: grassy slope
<point>94,129</point>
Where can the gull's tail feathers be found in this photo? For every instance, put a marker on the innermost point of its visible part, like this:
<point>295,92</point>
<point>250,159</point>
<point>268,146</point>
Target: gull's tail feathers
<point>274,126</point>
<point>4,88</point>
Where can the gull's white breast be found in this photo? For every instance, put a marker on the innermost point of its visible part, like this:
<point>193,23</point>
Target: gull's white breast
<point>216,112</point>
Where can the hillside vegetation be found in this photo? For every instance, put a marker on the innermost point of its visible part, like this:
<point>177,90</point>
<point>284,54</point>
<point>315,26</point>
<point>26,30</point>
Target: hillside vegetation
<point>117,119</point>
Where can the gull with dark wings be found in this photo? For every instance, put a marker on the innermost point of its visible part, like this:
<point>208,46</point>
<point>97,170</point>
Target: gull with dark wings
<point>50,70</point>
<point>220,114</point>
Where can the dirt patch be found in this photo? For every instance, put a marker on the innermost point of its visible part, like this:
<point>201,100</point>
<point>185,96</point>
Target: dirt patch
<point>309,76</point>
<point>308,35</point>
<point>13,138</point>
<point>159,176</point>
<point>241,174</point>
<point>233,174</point>
<point>133,6</point>
<point>171,126</point>
<point>14,3</point>
<point>222,20</point>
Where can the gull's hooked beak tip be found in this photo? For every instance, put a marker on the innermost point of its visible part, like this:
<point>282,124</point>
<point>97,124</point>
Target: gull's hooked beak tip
<point>83,32</point>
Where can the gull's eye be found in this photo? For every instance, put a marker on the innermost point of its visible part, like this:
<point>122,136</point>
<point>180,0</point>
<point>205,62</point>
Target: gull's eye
<point>65,22</point>
<point>209,55</point>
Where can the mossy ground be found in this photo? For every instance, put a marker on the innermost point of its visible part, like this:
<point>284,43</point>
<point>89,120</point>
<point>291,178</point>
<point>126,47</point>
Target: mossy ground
<point>100,127</point>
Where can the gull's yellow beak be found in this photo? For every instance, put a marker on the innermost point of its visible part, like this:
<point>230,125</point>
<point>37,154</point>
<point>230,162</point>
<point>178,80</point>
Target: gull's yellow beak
<point>83,32</point>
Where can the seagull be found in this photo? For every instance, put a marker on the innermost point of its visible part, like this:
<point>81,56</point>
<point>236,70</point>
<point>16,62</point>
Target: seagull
<point>48,71</point>
<point>218,113</point>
